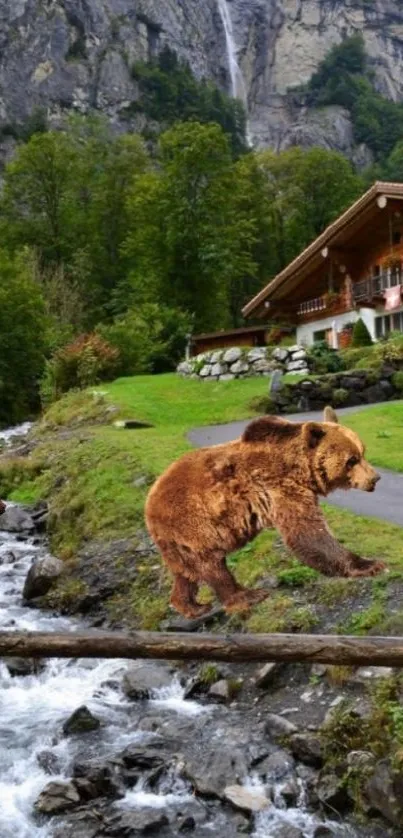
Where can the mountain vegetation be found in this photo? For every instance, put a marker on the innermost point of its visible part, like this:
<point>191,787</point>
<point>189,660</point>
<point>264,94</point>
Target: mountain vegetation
<point>116,246</point>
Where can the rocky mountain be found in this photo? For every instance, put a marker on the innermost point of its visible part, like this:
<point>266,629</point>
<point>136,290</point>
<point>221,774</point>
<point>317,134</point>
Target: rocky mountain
<point>62,55</point>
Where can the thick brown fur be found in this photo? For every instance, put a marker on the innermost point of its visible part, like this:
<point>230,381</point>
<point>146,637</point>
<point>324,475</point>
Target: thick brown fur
<point>215,500</point>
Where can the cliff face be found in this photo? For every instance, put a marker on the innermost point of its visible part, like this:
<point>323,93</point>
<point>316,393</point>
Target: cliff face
<point>77,54</point>
<point>281,44</point>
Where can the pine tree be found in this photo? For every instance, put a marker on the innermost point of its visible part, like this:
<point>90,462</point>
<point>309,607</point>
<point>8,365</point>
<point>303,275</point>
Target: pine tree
<point>361,335</point>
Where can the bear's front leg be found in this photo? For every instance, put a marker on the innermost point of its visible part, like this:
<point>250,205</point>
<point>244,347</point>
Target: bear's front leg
<point>304,530</point>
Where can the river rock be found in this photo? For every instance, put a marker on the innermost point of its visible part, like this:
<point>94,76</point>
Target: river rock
<point>211,772</point>
<point>81,721</point>
<point>221,691</point>
<point>276,767</point>
<point>19,667</point>
<point>57,798</point>
<point>324,832</point>
<point>218,369</point>
<point>137,822</point>
<point>15,519</point>
<point>266,675</point>
<point>384,792</point>
<point>307,748</point>
<point>49,762</point>
<point>247,800</point>
<point>256,354</point>
<point>143,679</point>
<point>277,726</point>
<point>104,776</point>
<point>287,830</point>
<point>332,792</point>
<point>8,558</point>
<point>41,576</point>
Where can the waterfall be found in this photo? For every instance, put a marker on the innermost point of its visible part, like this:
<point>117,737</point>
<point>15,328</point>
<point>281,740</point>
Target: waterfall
<point>238,89</point>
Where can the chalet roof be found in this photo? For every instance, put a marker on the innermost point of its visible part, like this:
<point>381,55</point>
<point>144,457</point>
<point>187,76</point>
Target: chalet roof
<point>244,330</point>
<point>334,234</point>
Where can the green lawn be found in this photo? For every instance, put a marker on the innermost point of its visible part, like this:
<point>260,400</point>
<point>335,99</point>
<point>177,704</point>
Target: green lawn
<point>381,429</point>
<point>97,476</point>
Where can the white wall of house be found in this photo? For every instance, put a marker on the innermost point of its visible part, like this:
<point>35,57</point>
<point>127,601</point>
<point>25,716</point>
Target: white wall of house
<point>306,331</point>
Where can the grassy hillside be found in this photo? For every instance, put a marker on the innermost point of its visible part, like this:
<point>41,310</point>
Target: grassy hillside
<point>96,476</point>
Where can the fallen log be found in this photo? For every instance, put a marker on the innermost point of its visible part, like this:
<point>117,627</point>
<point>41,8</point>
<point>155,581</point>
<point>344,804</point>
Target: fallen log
<point>235,648</point>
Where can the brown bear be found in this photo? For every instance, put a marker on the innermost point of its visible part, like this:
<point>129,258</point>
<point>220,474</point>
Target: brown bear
<point>214,500</point>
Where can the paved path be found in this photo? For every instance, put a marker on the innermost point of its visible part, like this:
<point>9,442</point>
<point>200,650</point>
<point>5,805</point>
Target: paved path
<point>385,503</point>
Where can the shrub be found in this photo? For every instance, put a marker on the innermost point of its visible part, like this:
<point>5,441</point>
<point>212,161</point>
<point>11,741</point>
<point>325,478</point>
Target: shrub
<point>397,380</point>
<point>324,359</point>
<point>351,357</point>
<point>340,396</point>
<point>361,335</point>
<point>86,361</point>
<point>150,338</point>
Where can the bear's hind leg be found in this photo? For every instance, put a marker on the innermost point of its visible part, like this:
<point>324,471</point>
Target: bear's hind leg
<point>232,595</point>
<point>183,598</point>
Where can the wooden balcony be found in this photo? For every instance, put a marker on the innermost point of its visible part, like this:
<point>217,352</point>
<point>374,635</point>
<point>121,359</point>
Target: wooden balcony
<point>325,306</point>
<point>312,306</point>
<point>372,289</point>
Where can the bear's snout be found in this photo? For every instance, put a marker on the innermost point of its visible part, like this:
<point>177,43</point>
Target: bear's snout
<point>365,477</point>
<point>375,479</point>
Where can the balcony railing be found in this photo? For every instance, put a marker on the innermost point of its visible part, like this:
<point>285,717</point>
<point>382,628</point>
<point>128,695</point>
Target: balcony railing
<point>374,287</point>
<point>310,306</point>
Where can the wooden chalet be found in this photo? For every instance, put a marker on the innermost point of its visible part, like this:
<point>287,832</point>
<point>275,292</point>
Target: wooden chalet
<point>247,336</point>
<point>353,269</point>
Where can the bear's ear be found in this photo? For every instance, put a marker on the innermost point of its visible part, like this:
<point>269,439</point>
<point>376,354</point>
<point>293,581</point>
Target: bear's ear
<point>270,428</point>
<point>313,433</point>
<point>330,415</point>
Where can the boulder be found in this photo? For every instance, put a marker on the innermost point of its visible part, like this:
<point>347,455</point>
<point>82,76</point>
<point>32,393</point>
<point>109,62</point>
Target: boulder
<point>49,762</point>
<point>239,367</point>
<point>15,519</point>
<point>292,366</point>
<point>137,822</point>
<point>323,831</point>
<point>232,355</point>
<point>20,667</point>
<point>57,798</point>
<point>287,830</point>
<point>307,748</point>
<point>228,376</point>
<point>266,675</point>
<point>221,691</point>
<point>264,366</point>
<point>205,371</point>
<point>280,354</point>
<point>277,726</point>
<point>256,354</point>
<point>218,369</point>
<point>299,355</point>
<point>185,368</point>
<point>8,558</point>
<point>246,800</point>
<point>216,357</point>
<point>81,721</point>
<point>41,577</point>
<point>276,767</point>
<point>212,771</point>
<point>384,792</point>
<point>143,679</point>
<point>332,792</point>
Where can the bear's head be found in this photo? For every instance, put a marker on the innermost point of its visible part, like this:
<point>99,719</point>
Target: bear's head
<point>335,454</point>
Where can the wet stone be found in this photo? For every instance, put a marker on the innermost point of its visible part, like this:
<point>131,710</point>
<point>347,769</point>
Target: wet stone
<point>81,721</point>
<point>142,680</point>
<point>247,800</point>
<point>277,726</point>
<point>57,798</point>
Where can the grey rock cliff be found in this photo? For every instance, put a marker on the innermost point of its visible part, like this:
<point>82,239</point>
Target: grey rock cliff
<point>63,55</point>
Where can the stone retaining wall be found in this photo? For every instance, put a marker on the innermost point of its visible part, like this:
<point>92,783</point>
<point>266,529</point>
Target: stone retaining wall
<point>342,389</point>
<point>238,362</point>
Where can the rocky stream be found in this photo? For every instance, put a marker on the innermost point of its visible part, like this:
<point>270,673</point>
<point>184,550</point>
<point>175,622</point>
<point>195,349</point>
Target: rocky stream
<point>92,749</point>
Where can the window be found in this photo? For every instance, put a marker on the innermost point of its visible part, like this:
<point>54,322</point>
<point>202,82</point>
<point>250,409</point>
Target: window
<point>378,327</point>
<point>397,322</point>
<point>317,336</point>
<point>396,237</point>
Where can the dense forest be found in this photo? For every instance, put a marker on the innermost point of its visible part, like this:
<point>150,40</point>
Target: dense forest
<point>114,247</point>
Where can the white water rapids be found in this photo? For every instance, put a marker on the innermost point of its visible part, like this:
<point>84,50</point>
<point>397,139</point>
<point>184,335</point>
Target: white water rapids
<point>34,707</point>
